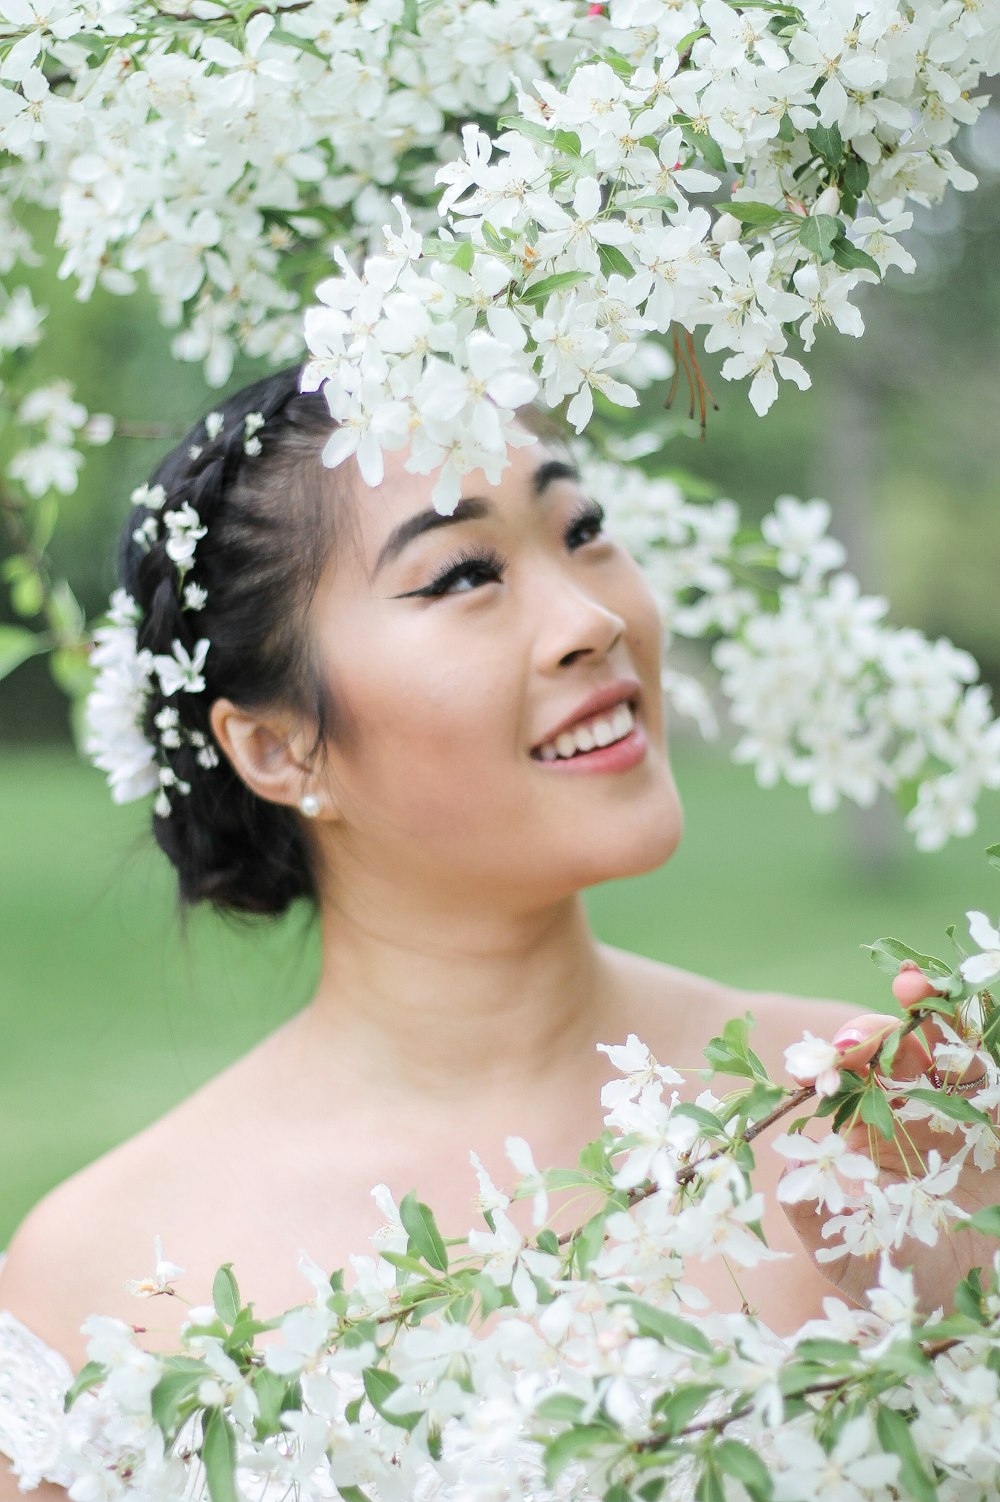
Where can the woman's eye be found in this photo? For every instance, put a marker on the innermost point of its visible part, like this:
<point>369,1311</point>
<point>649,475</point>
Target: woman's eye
<point>466,574</point>
<point>586,527</point>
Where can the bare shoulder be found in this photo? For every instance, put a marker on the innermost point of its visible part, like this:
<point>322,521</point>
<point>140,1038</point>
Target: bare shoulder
<point>75,1250</point>
<point>676,1011</point>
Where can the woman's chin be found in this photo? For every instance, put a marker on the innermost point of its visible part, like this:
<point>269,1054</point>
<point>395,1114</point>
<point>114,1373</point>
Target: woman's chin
<point>634,849</point>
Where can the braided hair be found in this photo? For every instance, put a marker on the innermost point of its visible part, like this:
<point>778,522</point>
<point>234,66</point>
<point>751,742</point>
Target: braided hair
<point>264,498</point>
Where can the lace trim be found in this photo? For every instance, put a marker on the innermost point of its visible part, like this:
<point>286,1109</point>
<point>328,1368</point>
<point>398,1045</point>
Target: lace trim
<point>33,1382</point>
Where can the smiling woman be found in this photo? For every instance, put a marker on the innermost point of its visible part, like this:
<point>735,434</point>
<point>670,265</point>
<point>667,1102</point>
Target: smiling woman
<point>441,748</point>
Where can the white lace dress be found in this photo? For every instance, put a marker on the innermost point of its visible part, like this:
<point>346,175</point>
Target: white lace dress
<point>33,1382</point>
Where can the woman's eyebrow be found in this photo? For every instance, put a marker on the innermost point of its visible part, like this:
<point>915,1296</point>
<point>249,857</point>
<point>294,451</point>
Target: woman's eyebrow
<point>471,508</point>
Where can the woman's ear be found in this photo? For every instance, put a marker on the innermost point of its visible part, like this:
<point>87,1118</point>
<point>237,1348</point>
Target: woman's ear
<point>269,751</point>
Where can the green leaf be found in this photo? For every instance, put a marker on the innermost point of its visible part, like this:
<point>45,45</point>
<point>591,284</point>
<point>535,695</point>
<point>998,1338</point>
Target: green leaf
<point>664,1326</point>
<point>548,1241</point>
<point>588,1242</point>
<point>755,213</point>
<point>425,1238</point>
<point>855,176</point>
<point>706,1119</point>
<point>613,261</point>
<point>226,1294</point>
<point>570,1445</point>
<point>532,128</point>
<point>877,1112</point>
<point>888,953</point>
<point>993,856</point>
<point>559,281</point>
<point>955,1106</point>
<point>218,1456</point>
<point>175,1389</point>
<point>560,1408</point>
<point>270,1391</point>
<point>827,143</point>
<point>405,1263</point>
<point>465,256</point>
<point>852,258</point>
<point>650,201</point>
<point>819,234</point>
<point>707,148</point>
<point>87,1377</point>
<point>822,1349</point>
<point>710,1487</point>
<point>894,1434</point>
<point>379,1386</point>
<point>17,644</point>
<point>676,1409</point>
<point>987,1221</point>
<point>738,1460</point>
<point>567,141</point>
<point>352,1493</point>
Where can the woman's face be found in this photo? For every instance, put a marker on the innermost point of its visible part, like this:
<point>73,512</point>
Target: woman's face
<point>456,650</point>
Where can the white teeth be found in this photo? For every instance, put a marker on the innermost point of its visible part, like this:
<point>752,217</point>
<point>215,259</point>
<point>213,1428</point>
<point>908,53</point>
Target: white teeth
<point>599,732</point>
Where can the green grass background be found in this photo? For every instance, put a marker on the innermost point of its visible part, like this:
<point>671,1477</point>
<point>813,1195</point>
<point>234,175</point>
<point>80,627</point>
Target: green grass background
<point>108,1015</point>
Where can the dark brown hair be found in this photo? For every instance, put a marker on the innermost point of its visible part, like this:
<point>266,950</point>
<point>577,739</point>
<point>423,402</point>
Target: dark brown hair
<point>270,522</point>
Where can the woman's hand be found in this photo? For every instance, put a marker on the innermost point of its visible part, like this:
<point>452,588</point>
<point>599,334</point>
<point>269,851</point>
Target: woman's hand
<point>939,1268</point>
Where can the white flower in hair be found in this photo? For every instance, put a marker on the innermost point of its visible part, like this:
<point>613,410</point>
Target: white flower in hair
<point>251,443</point>
<point>194,597</point>
<point>184,529</point>
<point>152,496</point>
<point>181,671</point>
<point>114,739</point>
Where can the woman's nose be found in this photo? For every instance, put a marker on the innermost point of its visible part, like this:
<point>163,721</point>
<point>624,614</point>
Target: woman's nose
<point>576,624</point>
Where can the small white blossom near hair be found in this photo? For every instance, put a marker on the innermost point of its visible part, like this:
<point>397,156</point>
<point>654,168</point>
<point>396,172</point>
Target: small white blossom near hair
<point>983,968</point>
<point>182,671</point>
<point>252,424</point>
<point>814,1061</point>
<point>184,532</point>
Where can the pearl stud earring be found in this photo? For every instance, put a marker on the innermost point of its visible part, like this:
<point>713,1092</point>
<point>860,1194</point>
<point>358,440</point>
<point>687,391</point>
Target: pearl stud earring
<point>309,806</point>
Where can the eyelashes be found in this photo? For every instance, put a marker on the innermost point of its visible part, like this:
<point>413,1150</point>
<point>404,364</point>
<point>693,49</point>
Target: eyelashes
<point>483,559</point>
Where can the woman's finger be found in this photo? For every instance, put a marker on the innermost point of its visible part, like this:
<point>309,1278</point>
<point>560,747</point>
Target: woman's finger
<point>910,987</point>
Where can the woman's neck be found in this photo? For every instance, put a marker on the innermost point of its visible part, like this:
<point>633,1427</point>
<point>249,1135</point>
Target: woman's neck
<point>462,1002</point>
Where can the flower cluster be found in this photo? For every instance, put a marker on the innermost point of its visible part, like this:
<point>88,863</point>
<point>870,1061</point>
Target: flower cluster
<point>116,737</point>
<point>571,238</point>
<point>57,423</point>
<point>588,1366</point>
<point>826,694</point>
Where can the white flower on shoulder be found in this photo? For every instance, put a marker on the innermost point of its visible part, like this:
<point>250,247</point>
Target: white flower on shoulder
<point>181,671</point>
<point>814,1061</point>
<point>981,969</point>
<point>164,1274</point>
<point>214,424</point>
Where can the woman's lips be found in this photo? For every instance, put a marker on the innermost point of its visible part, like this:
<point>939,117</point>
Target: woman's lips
<point>618,757</point>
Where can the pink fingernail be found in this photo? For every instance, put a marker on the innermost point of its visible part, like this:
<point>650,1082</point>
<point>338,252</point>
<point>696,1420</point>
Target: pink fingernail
<point>848,1039</point>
